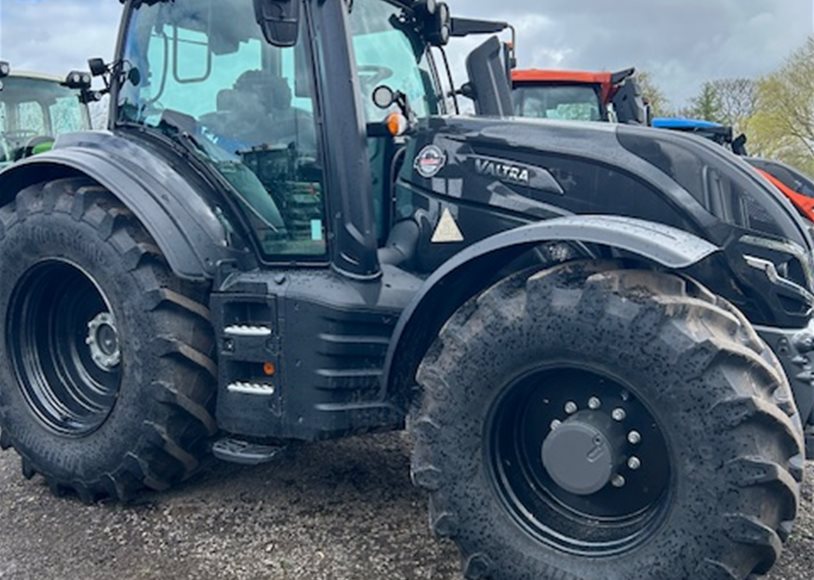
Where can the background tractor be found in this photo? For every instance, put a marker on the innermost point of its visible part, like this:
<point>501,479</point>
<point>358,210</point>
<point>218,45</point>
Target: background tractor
<point>716,132</point>
<point>794,184</point>
<point>284,237</point>
<point>35,109</point>
<point>579,96</point>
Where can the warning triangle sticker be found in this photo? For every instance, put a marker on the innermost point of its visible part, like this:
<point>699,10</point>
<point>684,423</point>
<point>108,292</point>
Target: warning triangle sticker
<point>447,231</point>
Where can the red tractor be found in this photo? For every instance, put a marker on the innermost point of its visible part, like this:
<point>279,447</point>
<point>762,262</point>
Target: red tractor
<point>579,96</point>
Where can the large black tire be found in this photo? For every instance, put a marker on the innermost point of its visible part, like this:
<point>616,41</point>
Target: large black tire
<point>152,419</point>
<point>714,389</point>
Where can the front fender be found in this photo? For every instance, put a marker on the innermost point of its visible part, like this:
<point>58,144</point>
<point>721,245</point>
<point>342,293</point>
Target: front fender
<point>463,276</point>
<point>175,213</point>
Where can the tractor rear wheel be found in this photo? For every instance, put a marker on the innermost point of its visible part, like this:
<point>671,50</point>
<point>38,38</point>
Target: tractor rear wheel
<point>107,380</point>
<point>589,421</point>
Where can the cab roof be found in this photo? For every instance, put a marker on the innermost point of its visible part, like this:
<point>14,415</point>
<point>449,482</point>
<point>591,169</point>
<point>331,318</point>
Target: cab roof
<point>561,76</point>
<point>33,75</point>
<point>682,123</point>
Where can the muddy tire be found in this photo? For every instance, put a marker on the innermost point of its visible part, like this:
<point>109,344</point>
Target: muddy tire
<point>107,380</point>
<point>663,386</point>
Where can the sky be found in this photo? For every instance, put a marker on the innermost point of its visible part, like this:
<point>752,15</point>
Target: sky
<point>681,43</point>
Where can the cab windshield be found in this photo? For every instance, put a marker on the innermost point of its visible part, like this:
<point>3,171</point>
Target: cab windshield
<point>556,101</point>
<point>33,112</point>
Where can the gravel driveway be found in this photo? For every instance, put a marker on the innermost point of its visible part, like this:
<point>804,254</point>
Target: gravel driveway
<point>338,511</point>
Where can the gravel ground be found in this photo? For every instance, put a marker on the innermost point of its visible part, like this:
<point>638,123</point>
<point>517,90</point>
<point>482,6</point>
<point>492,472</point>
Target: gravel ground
<point>334,511</point>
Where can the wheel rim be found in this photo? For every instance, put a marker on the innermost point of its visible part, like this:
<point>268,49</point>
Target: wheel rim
<point>64,345</point>
<point>579,461</point>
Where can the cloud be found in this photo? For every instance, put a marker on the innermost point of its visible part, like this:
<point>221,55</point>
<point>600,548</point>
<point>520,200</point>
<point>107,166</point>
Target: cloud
<point>681,42</point>
<point>56,36</point>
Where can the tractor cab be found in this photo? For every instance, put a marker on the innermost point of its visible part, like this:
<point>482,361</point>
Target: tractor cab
<point>579,96</point>
<point>35,109</point>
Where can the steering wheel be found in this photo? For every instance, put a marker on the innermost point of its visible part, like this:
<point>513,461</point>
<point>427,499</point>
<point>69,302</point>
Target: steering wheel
<point>19,135</point>
<point>372,75</point>
<point>34,142</point>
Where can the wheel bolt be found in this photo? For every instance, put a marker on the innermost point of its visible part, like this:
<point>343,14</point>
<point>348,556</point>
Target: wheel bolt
<point>555,423</point>
<point>634,463</point>
<point>571,407</point>
<point>634,438</point>
<point>618,481</point>
<point>594,403</point>
<point>619,415</point>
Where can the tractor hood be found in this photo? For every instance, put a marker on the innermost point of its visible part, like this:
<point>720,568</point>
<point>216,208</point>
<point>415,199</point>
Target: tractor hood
<point>467,178</point>
<point>533,169</point>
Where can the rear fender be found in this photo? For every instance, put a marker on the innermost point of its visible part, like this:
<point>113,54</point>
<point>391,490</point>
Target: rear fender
<point>464,276</point>
<point>179,216</point>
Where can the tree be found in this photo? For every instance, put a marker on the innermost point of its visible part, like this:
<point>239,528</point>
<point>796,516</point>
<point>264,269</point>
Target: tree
<point>783,124</point>
<point>653,94</point>
<point>737,100</point>
<point>707,105</point>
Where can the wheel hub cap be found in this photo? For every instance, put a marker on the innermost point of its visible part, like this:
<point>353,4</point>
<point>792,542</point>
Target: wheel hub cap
<point>579,457</point>
<point>103,341</point>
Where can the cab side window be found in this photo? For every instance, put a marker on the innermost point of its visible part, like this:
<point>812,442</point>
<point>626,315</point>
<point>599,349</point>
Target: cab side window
<point>251,108</point>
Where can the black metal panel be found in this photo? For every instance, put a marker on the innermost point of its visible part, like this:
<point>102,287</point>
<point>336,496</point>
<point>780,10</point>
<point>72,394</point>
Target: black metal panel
<point>354,251</point>
<point>329,344</point>
<point>795,350</point>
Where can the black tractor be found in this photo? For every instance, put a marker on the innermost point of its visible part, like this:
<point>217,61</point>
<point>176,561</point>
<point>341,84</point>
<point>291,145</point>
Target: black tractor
<point>594,334</point>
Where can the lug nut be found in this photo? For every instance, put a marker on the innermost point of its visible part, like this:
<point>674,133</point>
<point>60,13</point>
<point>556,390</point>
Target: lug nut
<point>618,481</point>
<point>571,407</point>
<point>634,463</point>
<point>634,438</point>
<point>555,423</point>
<point>619,414</point>
<point>594,403</point>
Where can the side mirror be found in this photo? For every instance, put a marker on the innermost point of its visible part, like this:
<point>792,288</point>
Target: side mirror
<point>739,146</point>
<point>488,83</point>
<point>5,69</point>
<point>629,104</point>
<point>77,80</point>
<point>279,20</point>
<point>384,97</point>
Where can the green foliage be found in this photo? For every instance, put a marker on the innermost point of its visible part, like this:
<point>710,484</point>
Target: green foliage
<point>653,94</point>
<point>782,126</point>
<point>707,105</point>
<point>776,112</point>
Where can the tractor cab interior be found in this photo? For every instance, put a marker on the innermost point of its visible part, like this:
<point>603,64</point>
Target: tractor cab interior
<point>33,111</point>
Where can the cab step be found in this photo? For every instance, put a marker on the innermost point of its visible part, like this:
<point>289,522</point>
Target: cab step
<point>246,452</point>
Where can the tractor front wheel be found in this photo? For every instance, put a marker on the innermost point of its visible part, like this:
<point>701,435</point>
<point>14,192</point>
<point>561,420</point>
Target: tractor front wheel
<point>589,421</point>
<point>107,381</point>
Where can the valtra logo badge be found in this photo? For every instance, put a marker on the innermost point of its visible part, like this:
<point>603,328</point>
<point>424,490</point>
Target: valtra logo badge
<point>430,161</point>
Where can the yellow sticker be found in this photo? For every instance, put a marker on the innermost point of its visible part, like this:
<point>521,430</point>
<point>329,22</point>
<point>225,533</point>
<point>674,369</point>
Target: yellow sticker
<point>447,231</point>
